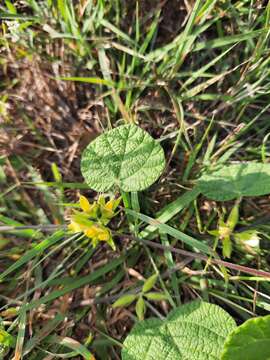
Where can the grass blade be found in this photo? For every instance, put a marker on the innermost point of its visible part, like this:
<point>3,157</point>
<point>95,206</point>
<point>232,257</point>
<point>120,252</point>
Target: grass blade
<point>189,240</point>
<point>172,209</point>
<point>38,249</point>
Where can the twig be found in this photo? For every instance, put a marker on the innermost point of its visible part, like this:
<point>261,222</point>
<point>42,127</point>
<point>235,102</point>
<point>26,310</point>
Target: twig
<point>203,257</point>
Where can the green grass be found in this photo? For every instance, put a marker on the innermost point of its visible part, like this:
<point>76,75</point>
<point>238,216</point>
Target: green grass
<point>200,85</point>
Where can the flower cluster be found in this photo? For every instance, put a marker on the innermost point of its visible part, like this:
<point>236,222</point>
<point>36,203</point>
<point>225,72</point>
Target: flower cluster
<point>93,218</point>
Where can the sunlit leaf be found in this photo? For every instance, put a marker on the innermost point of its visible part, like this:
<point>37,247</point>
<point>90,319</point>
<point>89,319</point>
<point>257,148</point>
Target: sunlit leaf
<point>234,181</point>
<point>194,331</point>
<point>127,157</point>
<point>250,341</point>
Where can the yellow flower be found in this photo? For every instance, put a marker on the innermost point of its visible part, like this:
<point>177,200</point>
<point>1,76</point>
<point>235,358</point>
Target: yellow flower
<point>92,219</point>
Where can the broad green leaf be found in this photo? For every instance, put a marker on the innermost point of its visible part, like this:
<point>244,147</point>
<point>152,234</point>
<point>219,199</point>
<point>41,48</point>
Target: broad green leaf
<point>194,331</point>
<point>126,156</point>
<point>250,341</point>
<point>234,181</point>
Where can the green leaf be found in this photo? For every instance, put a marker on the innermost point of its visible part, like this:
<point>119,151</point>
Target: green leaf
<point>56,173</point>
<point>140,308</point>
<point>149,283</point>
<point>234,181</point>
<point>12,9</point>
<point>126,156</point>
<point>233,217</point>
<point>91,80</point>
<point>6,340</point>
<point>124,300</point>
<point>213,232</point>
<point>227,247</point>
<point>250,341</point>
<point>194,331</point>
<point>155,296</point>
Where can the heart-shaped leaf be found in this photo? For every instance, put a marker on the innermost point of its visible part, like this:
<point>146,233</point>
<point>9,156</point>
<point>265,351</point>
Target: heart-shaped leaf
<point>195,331</point>
<point>250,341</point>
<point>234,181</point>
<point>126,156</point>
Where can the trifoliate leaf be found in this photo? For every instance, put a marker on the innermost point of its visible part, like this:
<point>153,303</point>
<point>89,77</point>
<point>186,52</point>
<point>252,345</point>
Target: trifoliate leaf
<point>195,331</point>
<point>250,341</point>
<point>234,181</point>
<point>126,156</point>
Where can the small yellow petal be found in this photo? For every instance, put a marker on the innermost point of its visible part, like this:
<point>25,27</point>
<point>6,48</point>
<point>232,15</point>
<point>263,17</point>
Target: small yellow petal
<point>92,231</point>
<point>84,204</point>
<point>104,235</point>
<point>74,227</point>
<point>109,205</point>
